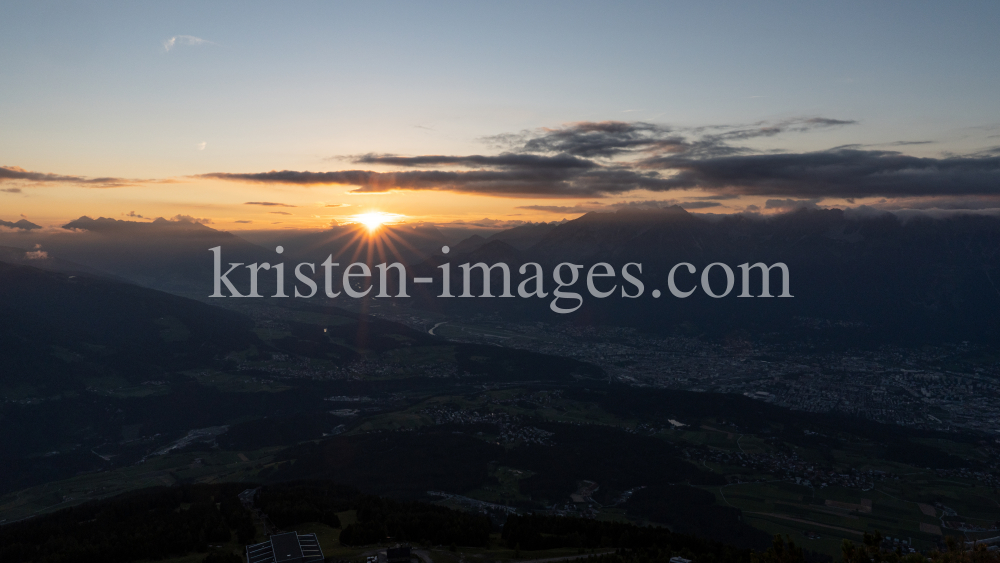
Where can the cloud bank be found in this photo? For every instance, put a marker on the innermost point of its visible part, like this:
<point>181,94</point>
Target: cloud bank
<point>598,206</point>
<point>602,159</point>
<point>269,204</point>
<point>15,174</point>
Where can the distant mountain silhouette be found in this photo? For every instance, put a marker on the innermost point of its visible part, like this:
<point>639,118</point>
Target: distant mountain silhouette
<point>22,224</point>
<point>496,251</point>
<point>525,236</point>
<point>349,243</point>
<point>167,255</point>
<point>174,256</point>
<point>469,244</point>
<point>859,280</point>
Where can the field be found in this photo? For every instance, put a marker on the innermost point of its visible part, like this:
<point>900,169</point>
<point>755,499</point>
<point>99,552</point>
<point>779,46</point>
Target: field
<point>818,517</point>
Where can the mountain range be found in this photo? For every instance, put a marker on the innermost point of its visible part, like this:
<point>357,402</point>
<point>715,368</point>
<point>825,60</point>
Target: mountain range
<point>856,279</point>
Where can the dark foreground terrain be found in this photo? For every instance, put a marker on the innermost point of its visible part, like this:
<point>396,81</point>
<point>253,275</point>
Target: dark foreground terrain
<point>110,388</point>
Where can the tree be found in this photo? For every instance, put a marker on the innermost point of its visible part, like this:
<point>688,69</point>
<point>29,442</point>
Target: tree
<point>779,552</point>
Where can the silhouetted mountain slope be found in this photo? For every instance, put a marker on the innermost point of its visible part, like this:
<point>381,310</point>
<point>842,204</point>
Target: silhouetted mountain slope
<point>520,238</point>
<point>496,251</point>
<point>44,261</point>
<point>859,279</point>
<point>525,236</point>
<point>60,329</point>
<point>161,522</point>
<point>93,363</point>
<point>469,244</point>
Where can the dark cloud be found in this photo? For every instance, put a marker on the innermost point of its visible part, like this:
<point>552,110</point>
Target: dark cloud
<point>559,208</point>
<point>822,122</point>
<point>15,173</point>
<point>837,173</point>
<point>699,204</point>
<point>568,168</point>
<point>609,158</point>
<point>485,222</point>
<point>790,204</point>
<point>595,139</point>
<point>729,133</point>
<point>991,151</point>
<point>608,139</point>
<point>23,225</point>
<point>280,212</point>
<point>970,203</point>
<point>269,204</point>
<point>596,206</point>
<point>716,197</point>
<point>505,160</point>
<point>11,190</point>
<point>662,204</point>
<point>517,182</point>
<point>243,221</point>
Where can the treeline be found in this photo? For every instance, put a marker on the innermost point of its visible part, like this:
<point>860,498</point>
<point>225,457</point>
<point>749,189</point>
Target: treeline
<point>380,518</point>
<point>289,504</point>
<point>161,522</point>
<point>615,459</point>
<point>694,511</point>
<point>636,543</point>
<point>149,524</point>
<point>872,550</point>
<point>827,431</point>
<point>662,555</point>
<point>398,464</point>
<point>450,457</point>
<point>639,544</point>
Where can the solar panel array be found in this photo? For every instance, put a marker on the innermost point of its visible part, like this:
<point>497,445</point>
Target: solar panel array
<point>289,547</point>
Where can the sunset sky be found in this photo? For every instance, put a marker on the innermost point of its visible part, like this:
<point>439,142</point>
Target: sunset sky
<point>298,115</point>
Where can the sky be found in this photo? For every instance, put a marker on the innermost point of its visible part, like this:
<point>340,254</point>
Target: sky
<point>305,114</point>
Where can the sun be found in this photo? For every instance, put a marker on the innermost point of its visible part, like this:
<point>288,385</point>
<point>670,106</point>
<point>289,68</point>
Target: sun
<point>375,219</point>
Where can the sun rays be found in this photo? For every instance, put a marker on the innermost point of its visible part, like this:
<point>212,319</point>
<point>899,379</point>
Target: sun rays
<point>375,219</point>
